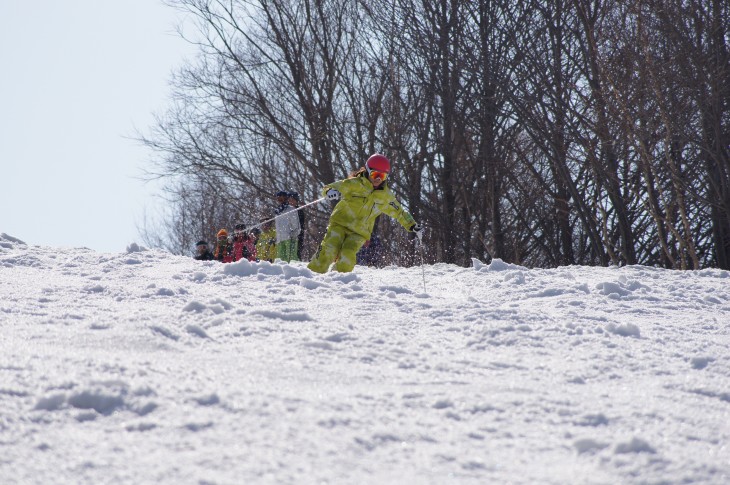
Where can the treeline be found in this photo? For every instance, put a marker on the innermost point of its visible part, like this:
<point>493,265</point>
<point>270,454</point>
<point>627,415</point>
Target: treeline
<point>541,132</point>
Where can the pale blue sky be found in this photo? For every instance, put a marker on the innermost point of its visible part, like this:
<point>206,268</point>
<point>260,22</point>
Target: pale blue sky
<point>76,78</point>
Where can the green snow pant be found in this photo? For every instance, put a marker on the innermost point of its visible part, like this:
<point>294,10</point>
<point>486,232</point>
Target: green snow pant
<point>287,250</point>
<point>339,244</point>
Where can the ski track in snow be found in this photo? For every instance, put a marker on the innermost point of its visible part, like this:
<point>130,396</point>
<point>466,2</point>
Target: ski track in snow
<point>144,367</point>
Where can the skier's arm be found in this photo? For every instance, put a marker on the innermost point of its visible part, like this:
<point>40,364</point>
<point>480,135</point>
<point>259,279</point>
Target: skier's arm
<point>396,211</point>
<point>341,186</point>
<point>333,185</point>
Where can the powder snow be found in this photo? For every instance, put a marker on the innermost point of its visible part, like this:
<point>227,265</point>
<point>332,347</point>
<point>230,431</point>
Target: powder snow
<point>145,367</point>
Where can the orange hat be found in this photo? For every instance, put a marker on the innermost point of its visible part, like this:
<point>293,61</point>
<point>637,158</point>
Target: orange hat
<point>222,233</point>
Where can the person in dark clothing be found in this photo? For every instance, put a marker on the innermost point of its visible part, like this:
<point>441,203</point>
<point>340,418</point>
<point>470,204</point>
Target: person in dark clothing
<point>294,202</point>
<point>282,198</point>
<point>204,253</point>
<point>371,253</point>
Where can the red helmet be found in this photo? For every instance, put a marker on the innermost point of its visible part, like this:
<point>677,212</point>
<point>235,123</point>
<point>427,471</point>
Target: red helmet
<point>378,162</point>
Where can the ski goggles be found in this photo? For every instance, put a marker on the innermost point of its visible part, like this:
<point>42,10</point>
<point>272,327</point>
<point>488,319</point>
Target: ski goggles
<point>376,174</point>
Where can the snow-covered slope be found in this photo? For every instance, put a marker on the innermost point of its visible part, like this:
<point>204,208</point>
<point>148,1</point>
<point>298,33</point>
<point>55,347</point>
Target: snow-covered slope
<point>145,367</point>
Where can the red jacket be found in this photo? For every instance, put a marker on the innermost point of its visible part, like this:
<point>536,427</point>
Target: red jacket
<point>243,247</point>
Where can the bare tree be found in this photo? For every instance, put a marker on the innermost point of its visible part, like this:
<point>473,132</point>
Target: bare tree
<point>541,132</point>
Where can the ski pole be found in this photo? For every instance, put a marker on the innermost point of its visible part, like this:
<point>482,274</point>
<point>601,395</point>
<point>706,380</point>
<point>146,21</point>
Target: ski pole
<point>423,269</point>
<point>280,215</point>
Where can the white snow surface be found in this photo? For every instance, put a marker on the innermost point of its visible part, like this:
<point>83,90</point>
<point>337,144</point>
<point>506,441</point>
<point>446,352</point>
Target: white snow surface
<point>145,367</point>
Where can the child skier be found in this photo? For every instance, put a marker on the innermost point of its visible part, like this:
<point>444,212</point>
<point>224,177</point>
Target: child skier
<point>362,198</point>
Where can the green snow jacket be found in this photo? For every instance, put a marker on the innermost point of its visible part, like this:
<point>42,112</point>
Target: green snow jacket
<point>361,204</point>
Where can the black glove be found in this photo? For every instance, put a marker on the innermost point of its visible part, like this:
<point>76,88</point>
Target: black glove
<point>418,230</point>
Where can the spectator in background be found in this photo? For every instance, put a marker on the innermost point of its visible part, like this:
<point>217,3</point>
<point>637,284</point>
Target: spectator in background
<point>287,228</point>
<point>371,253</point>
<point>266,243</point>
<point>203,253</point>
<point>294,202</point>
<point>223,247</point>
<point>243,245</point>
<point>282,198</point>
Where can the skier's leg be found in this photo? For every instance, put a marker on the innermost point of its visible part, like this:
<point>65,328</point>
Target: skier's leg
<point>348,254</point>
<point>294,250</point>
<point>281,250</point>
<point>329,249</point>
<point>286,251</point>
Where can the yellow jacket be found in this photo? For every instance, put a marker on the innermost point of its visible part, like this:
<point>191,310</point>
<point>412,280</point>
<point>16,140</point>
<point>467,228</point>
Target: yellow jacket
<point>362,203</point>
<point>266,245</point>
